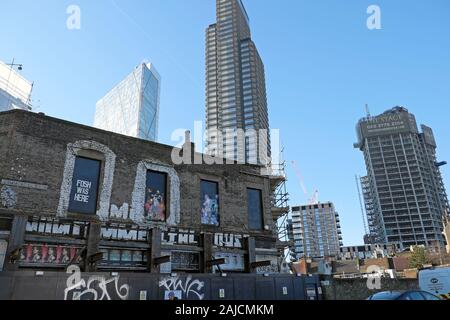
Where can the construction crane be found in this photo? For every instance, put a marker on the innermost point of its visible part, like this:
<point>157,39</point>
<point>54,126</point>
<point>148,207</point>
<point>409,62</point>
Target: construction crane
<point>315,197</point>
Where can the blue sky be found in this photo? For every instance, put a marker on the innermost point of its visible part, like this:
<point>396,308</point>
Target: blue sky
<point>322,66</point>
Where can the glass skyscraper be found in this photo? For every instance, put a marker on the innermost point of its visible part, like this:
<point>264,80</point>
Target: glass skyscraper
<point>404,192</point>
<point>236,103</point>
<point>132,107</point>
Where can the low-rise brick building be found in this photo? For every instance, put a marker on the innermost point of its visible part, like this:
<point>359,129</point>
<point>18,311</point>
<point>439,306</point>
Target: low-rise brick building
<point>76,194</point>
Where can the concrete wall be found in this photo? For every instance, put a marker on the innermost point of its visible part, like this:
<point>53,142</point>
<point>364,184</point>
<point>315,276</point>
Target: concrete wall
<point>357,289</point>
<point>57,286</point>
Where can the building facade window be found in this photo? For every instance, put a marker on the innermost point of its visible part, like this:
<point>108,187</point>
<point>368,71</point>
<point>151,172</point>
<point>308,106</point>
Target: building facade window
<point>155,198</point>
<point>80,149</point>
<point>85,181</point>
<point>209,198</point>
<point>152,175</point>
<point>113,258</point>
<point>255,209</point>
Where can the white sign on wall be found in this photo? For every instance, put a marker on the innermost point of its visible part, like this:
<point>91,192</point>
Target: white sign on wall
<point>233,261</point>
<point>273,268</point>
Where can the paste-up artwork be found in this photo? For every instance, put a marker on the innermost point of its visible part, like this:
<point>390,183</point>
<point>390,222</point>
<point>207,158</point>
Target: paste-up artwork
<point>84,193</point>
<point>155,199</point>
<point>210,203</point>
<point>48,254</point>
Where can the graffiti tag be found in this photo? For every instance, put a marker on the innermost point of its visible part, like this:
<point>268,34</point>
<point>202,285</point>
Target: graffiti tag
<point>188,286</point>
<point>8,197</point>
<point>96,288</point>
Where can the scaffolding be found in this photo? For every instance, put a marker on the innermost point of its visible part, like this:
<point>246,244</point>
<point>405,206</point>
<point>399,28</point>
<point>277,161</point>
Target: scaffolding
<point>280,208</point>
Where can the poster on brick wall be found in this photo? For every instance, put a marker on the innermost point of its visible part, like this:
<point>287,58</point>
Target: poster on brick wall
<point>155,197</point>
<point>209,203</point>
<point>52,255</point>
<point>84,193</point>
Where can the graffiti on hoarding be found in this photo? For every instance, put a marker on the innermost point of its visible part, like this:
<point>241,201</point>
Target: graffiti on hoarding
<point>190,237</point>
<point>121,213</point>
<point>48,254</point>
<point>95,288</point>
<point>272,268</point>
<point>123,233</point>
<point>228,240</point>
<point>180,237</point>
<point>187,287</point>
<point>49,226</point>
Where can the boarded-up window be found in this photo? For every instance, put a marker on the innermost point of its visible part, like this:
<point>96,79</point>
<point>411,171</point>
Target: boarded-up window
<point>84,194</point>
<point>209,203</point>
<point>255,209</point>
<point>155,198</point>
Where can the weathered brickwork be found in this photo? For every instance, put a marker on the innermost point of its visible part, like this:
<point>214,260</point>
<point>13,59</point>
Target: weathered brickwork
<point>39,151</point>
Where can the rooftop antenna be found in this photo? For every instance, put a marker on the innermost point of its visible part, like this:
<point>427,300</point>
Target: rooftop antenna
<point>367,111</point>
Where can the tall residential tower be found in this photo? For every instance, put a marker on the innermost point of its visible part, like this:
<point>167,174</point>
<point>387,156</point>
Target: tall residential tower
<point>404,192</point>
<point>236,105</point>
<point>132,107</point>
<point>316,231</point>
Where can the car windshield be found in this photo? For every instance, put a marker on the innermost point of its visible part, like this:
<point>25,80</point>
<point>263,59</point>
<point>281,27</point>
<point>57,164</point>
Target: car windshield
<point>429,296</point>
<point>386,296</point>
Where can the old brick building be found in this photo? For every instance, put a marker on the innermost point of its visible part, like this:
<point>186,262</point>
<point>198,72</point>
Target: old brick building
<point>76,194</point>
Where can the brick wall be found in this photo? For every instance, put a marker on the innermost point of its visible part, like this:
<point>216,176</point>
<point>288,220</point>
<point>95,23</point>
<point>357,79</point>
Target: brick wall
<point>34,150</point>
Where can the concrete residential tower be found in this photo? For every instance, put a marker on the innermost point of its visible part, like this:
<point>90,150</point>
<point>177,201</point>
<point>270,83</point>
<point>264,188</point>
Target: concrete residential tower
<point>235,89</point>
<point>132,107</point>
<point>316,231</point>
<point>404,192</point>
